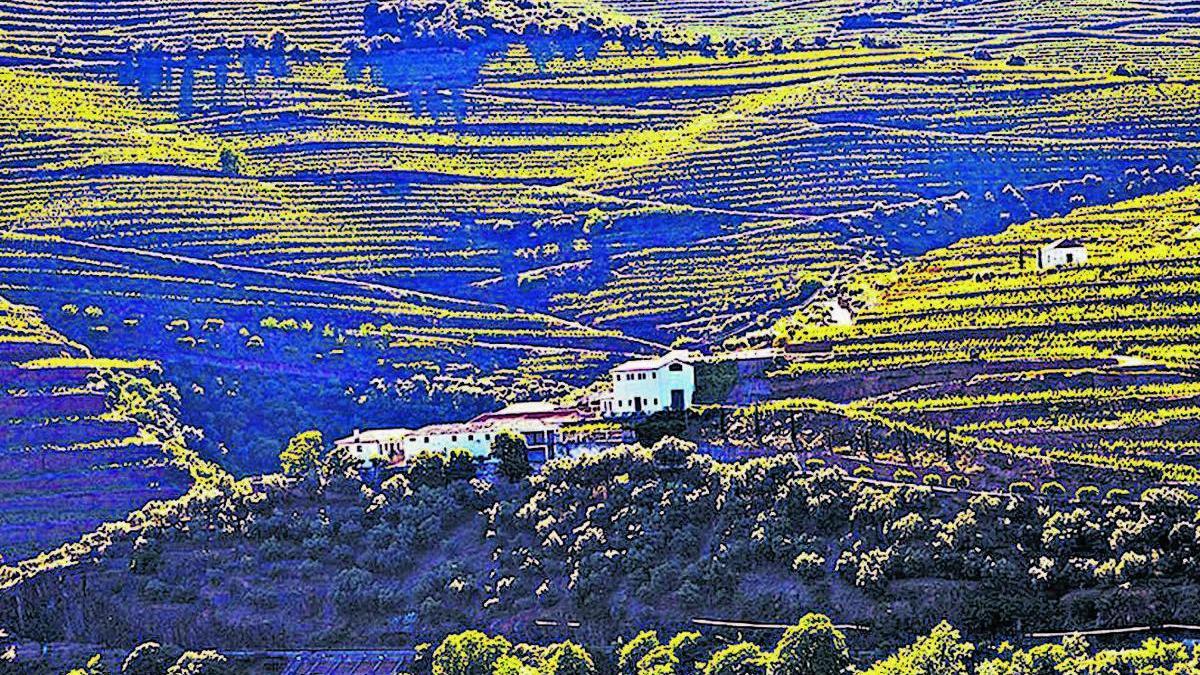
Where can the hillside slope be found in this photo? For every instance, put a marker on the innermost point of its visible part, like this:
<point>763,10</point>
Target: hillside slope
<point>1096,360</point>
<point>76,447</point>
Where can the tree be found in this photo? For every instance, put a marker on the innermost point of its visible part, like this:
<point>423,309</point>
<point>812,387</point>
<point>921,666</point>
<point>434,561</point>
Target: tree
<point>460,465</point>
<point>302,454</point>
<point>568,658</point>
<point>672,452</point>
<point>231,162</point>
<point>148,659</point>
<point>940,652</point>
<point>427,469</point>
<point>811,647</point>
<point>635,650</point>
<point>201,663</point>
<point>469,653</point>
<point>743,658</point>
<point>510,451</point>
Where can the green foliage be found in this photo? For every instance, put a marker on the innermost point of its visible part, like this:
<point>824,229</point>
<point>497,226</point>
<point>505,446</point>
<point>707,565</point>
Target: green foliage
<point>469,653</point>
<point>811,647</point>
<point>715,381</point>
<point>942,652</point>
<point>1053,489</point>
<point>672,453</point>
<point>809,565</point>
<point>512,455</point>
<point>231,162</point>
<point>1021,487</point>
<point>201,663</point>
<point>632,652</point>
<point>1153,657</point>
<point>303,453</point>
<point>94,666</point>
<point>568,658</point>
<point>743,658</point>
<point>427,469</point>
<point>662,424</point>
<point>460,465</point>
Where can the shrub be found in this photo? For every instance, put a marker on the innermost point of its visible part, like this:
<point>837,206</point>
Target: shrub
<point>932,480</point>
<point>568,658</point>
<point>1021,487</point>
<point>904,476</point>
<point>1117,495</point>
<point>427,469</point>
<point>958,481</point>
<point>743,658</point>
<point>814,464</point>
<point>1086,493</point>
<point>671,452</point>
<point>1053,489</point>
<point>201,663</point>
<point>460,465</point>
<point>863,471</point>
<point>811,647</point>
<point>809,565</point>
<point>942,652</point>
<point>632,652</point>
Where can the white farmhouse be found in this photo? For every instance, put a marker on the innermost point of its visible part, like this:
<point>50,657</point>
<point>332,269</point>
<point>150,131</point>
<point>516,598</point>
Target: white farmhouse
<point>375,445</point>
<point>538,423</point>
<point>648,386</point>
<point>1060,253</point>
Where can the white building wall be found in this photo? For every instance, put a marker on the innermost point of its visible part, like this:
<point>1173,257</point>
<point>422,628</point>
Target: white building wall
<point>649,391</point>
<point>1059,257</point>
<point>477,442</point>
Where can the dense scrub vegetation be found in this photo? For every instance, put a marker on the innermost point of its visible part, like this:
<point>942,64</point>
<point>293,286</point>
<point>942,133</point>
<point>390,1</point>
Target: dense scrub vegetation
<point>812,646</point>
<point>627,537</point>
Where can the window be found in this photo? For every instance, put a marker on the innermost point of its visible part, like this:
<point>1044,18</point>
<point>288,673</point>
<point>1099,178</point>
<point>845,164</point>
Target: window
<point>471,437</point>
<point>675,367</point>
<point>454,439</point>
<point>427,439</point>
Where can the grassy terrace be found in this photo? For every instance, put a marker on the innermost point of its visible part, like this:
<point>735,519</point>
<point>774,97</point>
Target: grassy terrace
<point>1092,363</point>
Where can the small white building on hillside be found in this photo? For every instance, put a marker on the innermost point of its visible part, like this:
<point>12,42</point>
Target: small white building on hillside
<point>1061,253</point>
<point>647,386</point>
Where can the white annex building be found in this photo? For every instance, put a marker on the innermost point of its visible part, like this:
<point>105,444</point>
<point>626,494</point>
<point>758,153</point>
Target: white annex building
<point>648,386</point>
<point>377,445</point>
<point>1061,253</point>
<point>538,423</point>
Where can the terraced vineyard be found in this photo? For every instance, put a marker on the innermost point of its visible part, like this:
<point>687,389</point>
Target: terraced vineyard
<point>1091,364</point>
<point>319,204</point>
<point>73,451</point>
